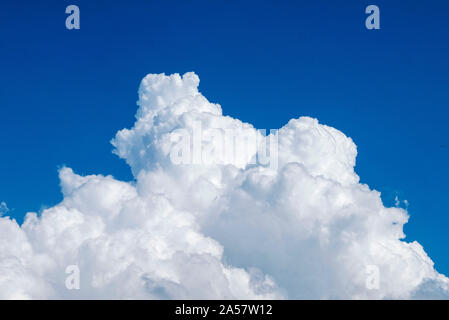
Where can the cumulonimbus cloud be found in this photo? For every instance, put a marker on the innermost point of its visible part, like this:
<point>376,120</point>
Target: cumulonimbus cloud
<point>306,229</point>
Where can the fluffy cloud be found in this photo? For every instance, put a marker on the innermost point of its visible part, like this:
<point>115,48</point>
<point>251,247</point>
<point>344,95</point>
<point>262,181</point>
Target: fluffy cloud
<point>233,228</point>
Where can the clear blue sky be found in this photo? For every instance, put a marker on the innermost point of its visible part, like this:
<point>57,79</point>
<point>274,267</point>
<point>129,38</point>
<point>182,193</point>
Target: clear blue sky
<point>64,94</point>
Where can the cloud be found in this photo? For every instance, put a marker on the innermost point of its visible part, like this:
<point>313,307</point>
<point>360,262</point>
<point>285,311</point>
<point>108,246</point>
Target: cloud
<point>3,208</point>
<point>233,228</point>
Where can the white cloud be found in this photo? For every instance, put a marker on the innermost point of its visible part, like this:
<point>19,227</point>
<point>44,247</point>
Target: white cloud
<point>396,201</point>
<point>230,230</point>
<point>3,208</point>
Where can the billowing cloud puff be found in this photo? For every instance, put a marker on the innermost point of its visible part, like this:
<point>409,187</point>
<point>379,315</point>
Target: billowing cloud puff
<point>234,227</point>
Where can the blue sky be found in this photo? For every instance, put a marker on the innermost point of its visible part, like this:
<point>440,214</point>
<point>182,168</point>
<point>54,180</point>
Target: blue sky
<point>64,94</point>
